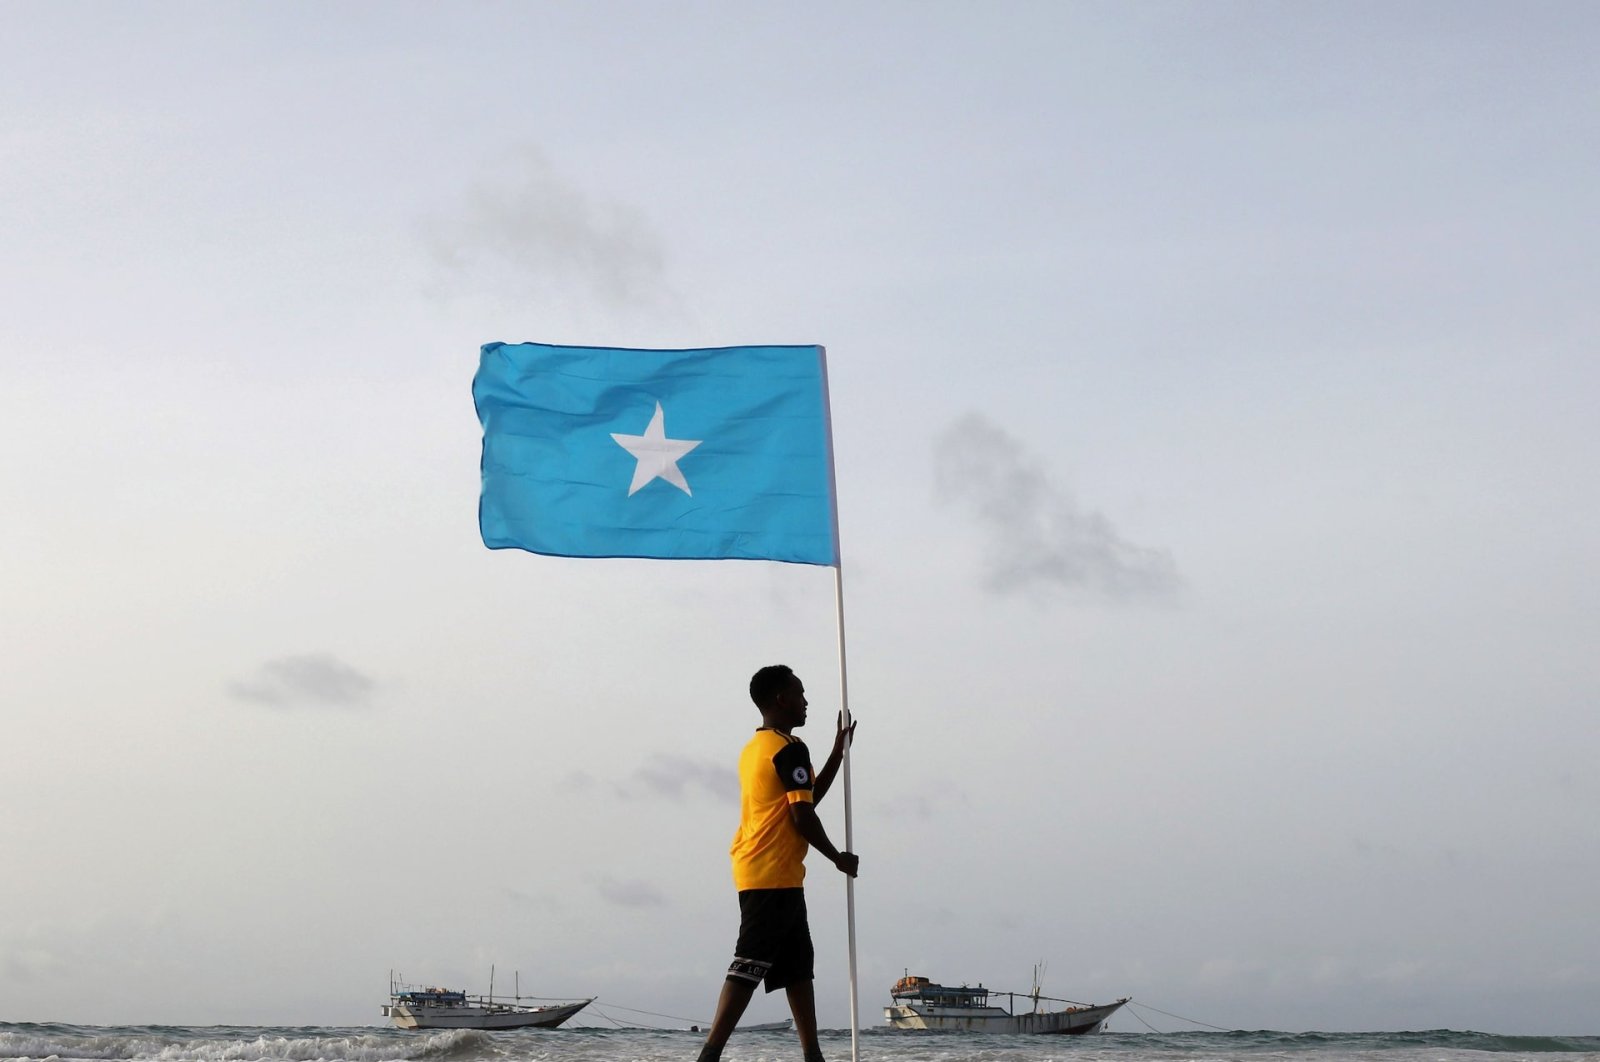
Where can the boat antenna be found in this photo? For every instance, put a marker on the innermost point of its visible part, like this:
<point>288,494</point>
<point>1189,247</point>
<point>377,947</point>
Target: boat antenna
<point>491,982</point>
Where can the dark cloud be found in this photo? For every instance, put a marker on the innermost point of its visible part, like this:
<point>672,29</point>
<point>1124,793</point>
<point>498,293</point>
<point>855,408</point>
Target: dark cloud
<point>673,777</point>
<point>311,680</point>
<point>1038,539</point>
<point>529,231</point>
<point>579,782</point>
<point>545,901</point>
<point>630,893</point>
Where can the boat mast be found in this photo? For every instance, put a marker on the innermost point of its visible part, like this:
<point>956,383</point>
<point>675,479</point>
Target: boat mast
<point>491,982</point>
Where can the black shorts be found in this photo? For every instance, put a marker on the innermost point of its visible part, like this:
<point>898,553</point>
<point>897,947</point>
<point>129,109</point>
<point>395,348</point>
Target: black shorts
<point>774,940</point>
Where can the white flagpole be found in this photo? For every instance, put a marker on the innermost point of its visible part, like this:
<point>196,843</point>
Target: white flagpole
<point>849,833</point>
<point>844,708</point>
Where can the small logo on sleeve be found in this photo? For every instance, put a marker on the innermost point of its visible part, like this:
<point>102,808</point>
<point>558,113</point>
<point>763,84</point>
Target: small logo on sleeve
<point>801,776</point>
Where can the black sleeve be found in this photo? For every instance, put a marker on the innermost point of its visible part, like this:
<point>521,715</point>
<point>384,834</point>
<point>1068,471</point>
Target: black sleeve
<point>793,762</point>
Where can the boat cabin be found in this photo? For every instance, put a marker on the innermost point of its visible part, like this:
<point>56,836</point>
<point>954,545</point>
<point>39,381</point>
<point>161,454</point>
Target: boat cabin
<point>431,997</point>
<point>925,991</point>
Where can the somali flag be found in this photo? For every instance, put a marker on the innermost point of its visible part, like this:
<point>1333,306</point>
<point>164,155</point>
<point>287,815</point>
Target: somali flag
<point>685,454</point>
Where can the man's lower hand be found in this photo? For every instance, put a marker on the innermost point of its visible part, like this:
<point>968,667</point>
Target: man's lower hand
<point>848,862</point>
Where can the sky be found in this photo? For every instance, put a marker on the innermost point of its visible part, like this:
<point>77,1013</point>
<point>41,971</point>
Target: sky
<point>1212,393</point>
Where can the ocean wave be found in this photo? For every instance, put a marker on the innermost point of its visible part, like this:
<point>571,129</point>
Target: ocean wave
<point>1476,1041</point>
<point>74,1043</point>
<point>1345,1045</point>
<point>205,1045</point>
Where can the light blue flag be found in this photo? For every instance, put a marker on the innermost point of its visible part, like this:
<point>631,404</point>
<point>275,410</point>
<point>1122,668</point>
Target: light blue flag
<point>709,454</point>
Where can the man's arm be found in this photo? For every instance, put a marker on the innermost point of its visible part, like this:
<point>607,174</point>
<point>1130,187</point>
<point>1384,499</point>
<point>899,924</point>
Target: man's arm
<point>841,738</point>
<point>804,816</point>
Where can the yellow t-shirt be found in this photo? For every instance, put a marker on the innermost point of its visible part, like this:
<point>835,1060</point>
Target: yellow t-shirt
<point>768,852</point>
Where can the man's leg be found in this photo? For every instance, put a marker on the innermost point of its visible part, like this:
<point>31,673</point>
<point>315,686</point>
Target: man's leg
<point>803,1005</point>
<point>735,997</point>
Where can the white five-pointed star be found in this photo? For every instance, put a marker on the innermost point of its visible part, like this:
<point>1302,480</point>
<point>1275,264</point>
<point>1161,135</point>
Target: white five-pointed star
<point>657,455</point>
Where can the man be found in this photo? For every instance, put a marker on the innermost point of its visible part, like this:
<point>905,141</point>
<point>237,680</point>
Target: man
<point>778,824</point>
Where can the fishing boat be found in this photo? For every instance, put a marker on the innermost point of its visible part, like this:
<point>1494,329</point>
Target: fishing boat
<point>414,1007</point>
<point>761,1026</point>
<point>923,1004</point>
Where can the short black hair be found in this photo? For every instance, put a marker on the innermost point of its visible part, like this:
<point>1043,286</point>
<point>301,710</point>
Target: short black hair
<point>770,681</point>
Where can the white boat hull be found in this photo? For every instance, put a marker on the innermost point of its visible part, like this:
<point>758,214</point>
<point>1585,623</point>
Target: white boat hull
<point>1074,1021</point>
<point>482,1017</point>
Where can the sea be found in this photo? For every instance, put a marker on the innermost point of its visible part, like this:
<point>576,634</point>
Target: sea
<point>382,1044</point>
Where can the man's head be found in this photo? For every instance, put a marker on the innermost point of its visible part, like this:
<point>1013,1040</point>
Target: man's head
<point>780,695</point>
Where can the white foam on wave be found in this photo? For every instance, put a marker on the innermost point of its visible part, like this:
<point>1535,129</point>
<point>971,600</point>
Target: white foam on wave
<point>60,1046</point>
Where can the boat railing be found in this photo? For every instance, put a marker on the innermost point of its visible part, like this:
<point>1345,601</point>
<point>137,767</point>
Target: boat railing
<point>923,991</point>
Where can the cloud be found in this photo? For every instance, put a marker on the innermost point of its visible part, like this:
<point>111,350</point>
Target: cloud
<point>29,964</point>
<point>579,782</point>
<point>1039,540</point>
<point>630,893</point>
<point>673,777</point>
<point>313,679</point>
<point>531,232</point>
<point>535,901</point>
